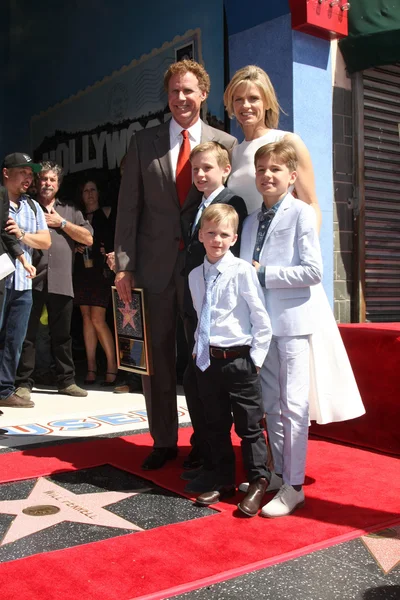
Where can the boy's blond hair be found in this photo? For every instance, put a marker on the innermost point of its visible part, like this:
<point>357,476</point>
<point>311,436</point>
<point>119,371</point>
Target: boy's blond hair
<point>218,213</point>
<point>282,151</point>
<point>219,151</point>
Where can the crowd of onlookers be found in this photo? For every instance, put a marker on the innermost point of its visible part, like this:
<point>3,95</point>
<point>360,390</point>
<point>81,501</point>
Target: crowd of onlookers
<point>61,278</point>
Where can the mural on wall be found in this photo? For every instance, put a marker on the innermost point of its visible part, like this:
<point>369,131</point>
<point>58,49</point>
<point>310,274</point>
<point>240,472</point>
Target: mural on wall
<point>89,133</point>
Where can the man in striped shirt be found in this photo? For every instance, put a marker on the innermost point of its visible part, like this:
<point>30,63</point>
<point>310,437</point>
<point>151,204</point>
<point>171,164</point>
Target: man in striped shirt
<point>28,224</point>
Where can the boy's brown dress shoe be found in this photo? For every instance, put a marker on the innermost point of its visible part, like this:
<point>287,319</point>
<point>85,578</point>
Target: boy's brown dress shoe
<point>216,495</point>
<point>250,505</point>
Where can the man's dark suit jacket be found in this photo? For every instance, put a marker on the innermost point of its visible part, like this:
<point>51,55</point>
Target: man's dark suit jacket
<point>8,243</point>
<point>150,220</point>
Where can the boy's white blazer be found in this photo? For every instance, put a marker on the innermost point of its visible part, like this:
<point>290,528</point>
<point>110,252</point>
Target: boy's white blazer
<point>292,258</point>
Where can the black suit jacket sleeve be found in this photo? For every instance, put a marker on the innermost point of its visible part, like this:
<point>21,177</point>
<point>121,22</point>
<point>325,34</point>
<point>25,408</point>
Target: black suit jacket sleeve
<point>8,242</point>
<point>240,206</point>
<point>195,250</point>
<point>130,204</point>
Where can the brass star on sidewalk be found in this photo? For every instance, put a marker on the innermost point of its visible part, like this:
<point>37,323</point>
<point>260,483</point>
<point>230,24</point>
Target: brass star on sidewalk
<point>385,547</point>
<point>128,314</point>
<point>49,504</point>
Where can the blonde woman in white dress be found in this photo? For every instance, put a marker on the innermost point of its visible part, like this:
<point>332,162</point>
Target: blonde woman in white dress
<point>251,99</point>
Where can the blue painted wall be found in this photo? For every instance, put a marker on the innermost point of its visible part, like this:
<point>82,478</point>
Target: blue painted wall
<point>241,17</point>
<point>269,46</point>
<point>300,69</point>
<point>57,49</point>
<point>312,120</point>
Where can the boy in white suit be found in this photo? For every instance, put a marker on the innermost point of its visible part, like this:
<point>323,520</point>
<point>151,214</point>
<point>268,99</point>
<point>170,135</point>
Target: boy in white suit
<point>281,241</point>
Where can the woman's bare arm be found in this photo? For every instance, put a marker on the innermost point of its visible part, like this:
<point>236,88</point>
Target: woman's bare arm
<point>305,182</point>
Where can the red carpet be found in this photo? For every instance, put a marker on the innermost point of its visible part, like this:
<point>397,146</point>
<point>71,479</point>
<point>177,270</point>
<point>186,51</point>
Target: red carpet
<point>374,353</point>
<point>349,491</point>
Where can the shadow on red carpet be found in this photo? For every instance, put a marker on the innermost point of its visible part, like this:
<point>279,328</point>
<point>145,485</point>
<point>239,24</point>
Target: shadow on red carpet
<point>349,491</point>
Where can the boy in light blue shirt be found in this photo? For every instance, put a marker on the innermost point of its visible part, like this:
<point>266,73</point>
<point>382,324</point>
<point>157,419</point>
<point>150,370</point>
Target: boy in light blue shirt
<point>231,342</point>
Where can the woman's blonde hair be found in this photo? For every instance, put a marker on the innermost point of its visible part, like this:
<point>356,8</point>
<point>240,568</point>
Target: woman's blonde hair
<point>253,74</point>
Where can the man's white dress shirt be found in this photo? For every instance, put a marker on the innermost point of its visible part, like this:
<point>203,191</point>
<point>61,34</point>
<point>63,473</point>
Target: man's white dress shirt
<point>176,139</point>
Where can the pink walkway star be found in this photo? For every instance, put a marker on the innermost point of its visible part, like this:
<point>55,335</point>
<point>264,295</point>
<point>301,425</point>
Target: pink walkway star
<point>384,547</point>
<point>77,508</point>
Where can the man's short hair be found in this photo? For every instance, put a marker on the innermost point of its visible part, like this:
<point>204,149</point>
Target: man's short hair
<point>49,165</point>
<point>188,66</point>
<point>281,151</point>
<point>219,213</point>
<point>219,151</point>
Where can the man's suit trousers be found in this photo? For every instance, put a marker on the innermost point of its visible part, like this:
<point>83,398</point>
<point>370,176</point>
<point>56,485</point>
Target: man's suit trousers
<point>160,388</point>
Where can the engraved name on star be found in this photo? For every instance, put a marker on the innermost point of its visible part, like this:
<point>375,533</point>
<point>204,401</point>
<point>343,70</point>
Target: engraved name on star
<point>77,508</point>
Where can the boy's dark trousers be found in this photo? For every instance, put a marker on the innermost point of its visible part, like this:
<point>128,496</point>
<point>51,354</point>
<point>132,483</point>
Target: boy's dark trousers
<point>231,385</point>
<point>190,386</point>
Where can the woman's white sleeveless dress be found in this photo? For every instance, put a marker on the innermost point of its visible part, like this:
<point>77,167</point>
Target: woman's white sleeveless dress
<point>334,394</point>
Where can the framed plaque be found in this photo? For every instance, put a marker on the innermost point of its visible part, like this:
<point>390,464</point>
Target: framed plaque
<point>132,333</point>
<point>185,52</point>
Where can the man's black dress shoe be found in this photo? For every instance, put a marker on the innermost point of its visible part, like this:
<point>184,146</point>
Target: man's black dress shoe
<point>216,495</point>
<point>190,475</point>
<point>190,464</point>
<point>204,481</point>
<point>158,458</point>
<point>194,460</point>
<point>250,505</point>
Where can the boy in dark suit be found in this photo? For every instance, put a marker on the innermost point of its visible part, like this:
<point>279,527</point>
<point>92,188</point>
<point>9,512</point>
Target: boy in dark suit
<point>210,168</point>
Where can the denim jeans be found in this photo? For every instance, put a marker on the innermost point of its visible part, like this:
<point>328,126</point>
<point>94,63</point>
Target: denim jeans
<point>14,323</point>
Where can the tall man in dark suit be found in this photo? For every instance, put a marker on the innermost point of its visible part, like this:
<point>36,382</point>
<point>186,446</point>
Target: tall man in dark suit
<point>156,199</point>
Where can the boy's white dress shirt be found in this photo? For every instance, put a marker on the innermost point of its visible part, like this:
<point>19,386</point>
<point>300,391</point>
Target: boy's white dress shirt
<point>238,314</point>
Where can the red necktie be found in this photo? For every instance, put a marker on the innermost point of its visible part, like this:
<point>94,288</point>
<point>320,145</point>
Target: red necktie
<point>183,169</point>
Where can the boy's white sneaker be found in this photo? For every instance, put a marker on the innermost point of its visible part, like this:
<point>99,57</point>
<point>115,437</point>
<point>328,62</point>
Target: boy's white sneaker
<point>284,503</point>
<point>275,484</point>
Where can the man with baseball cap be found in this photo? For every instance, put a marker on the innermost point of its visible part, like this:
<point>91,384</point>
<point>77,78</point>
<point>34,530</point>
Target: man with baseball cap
<point>8,243</point>
<point>19,159</point>
<point>28,224</point>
